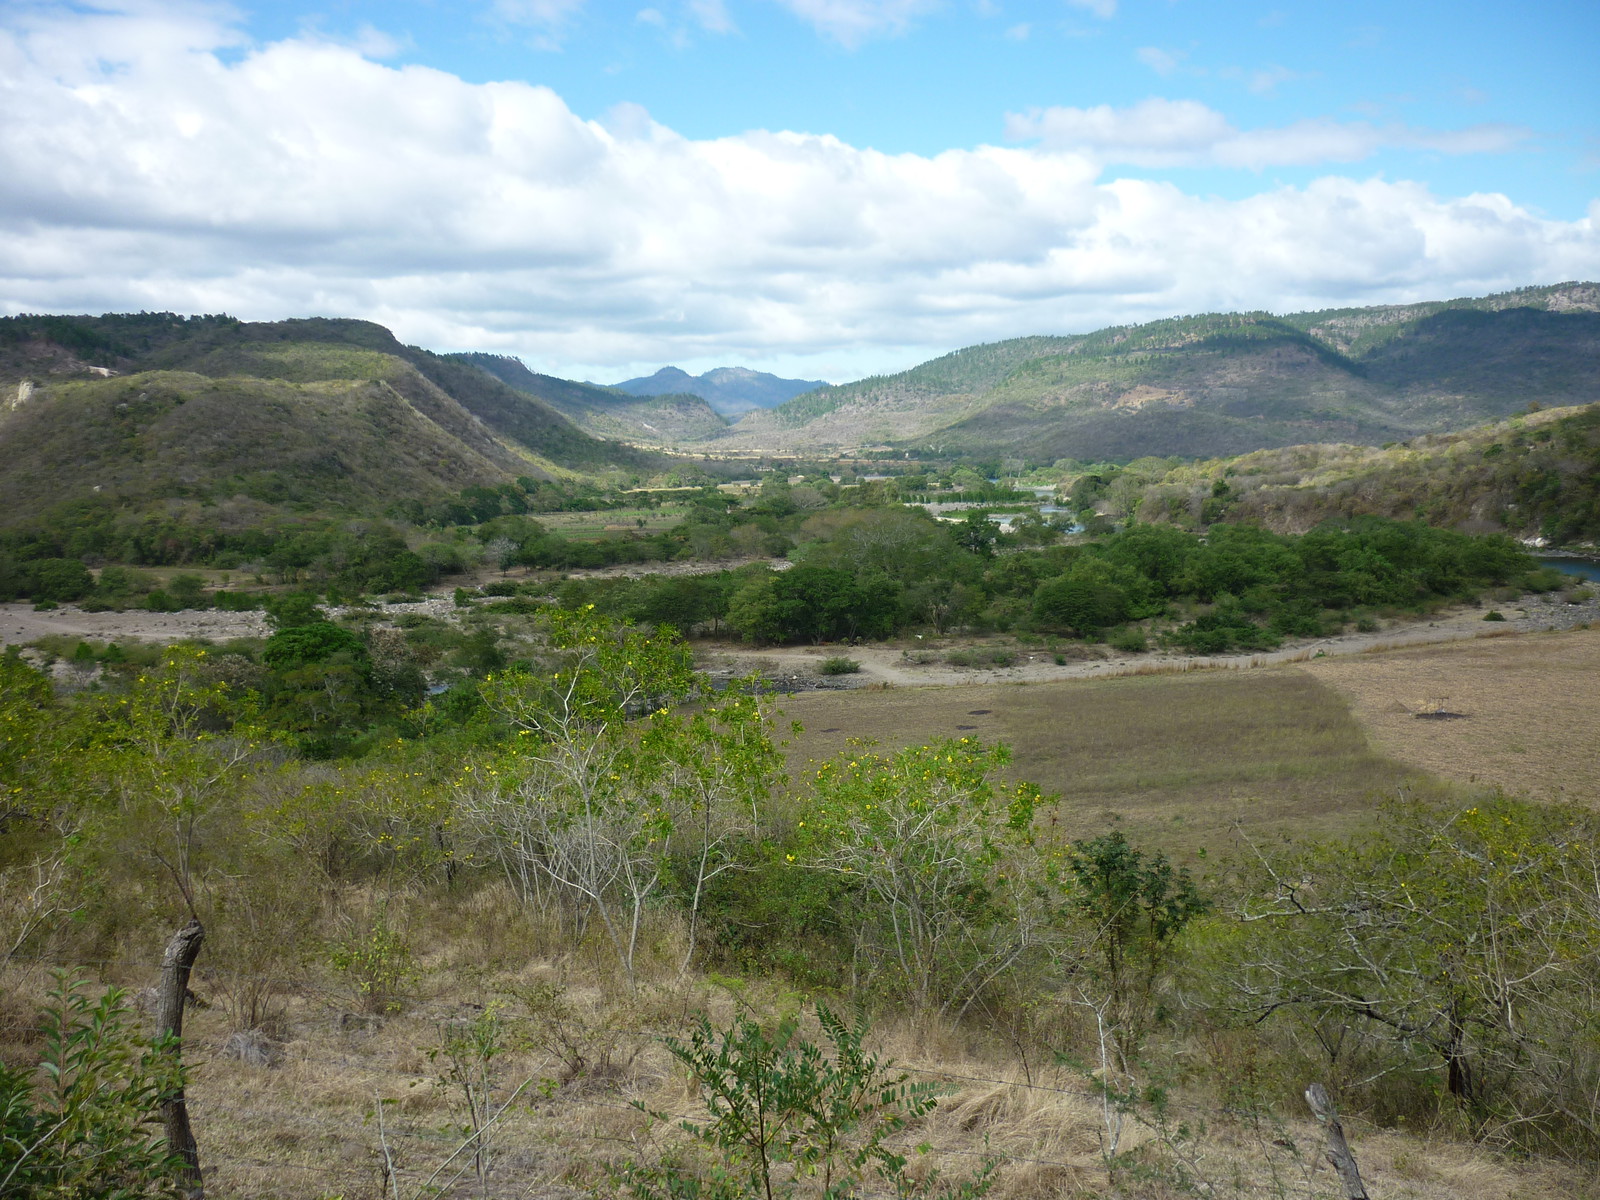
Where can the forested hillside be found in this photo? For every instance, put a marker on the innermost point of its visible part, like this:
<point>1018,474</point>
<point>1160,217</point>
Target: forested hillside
<point>144,408</point>
<point>1537,476</point>
<point>1218,383</point>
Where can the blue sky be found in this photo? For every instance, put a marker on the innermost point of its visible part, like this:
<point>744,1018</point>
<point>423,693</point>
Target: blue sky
<point>823,188</point>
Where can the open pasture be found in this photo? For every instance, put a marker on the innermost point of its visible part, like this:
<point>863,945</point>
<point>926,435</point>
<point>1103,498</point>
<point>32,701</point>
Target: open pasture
<point>587,526</point>
<point>1176,760</point>
<point>1529,710</point>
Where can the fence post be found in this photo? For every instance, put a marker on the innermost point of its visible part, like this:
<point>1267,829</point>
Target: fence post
<point>1338,1151</point>
<point>170,995</point>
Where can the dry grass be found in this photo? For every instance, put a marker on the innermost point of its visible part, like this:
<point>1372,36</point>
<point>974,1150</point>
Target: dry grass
<point>1531,706</point>
<point>307,1128</point>
<point>1175,758</point>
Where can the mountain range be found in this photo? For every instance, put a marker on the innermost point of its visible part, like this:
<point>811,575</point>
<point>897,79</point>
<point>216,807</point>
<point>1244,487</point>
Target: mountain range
<point>730,391</point>
<point>1214,384</point>
<point>154,412</point>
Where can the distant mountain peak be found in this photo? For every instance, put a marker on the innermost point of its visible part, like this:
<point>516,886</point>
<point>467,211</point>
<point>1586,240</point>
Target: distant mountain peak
<point>729,390</point>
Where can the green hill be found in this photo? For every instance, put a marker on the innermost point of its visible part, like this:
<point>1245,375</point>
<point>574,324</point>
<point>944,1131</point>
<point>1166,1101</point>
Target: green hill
<point>1536,475</point>
<point>1216,384</point>
<point>145,408</point>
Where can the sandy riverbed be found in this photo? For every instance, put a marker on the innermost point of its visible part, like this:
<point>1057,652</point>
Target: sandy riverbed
<point>886,663</point>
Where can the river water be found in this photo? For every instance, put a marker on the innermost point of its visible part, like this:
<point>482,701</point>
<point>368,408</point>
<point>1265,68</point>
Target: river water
<point>1584,568</point>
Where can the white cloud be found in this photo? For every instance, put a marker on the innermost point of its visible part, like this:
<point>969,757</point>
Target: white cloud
<point>711,15</point>
<point>1162,62</point>
<point>852,22</point>
<point>548,19</point>
<point>141,170</point>
<point>1104,9</point>
<point>1187,133</point>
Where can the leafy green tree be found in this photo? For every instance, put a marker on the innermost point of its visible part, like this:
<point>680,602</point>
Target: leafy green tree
<point>60,579</point>
<point>934,841</point>
<point>1130,905</point>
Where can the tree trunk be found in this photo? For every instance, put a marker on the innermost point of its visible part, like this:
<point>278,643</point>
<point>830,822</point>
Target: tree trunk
<point>1338,1150</point>
<point>173,990</point>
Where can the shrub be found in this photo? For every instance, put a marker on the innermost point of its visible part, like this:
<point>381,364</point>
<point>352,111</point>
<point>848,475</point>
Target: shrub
<point>839,665</point>
<point>1130,640</point>
<point>377,961</point>
<point>87,1131</point>
<point>1494,614</point>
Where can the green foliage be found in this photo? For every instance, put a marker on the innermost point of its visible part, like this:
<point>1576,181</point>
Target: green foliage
<point>1132,904</point>
<point>787,1119</point>
<point>930,837</point>
<point>838,665</point>
<point>376,960</point>
<point>1459,950</point>
<point>85,1130</point>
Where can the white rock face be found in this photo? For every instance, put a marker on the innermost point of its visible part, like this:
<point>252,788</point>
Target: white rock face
<point>24,392</point>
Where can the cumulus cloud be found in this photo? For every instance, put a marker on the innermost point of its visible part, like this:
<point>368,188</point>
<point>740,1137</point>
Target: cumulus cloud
<point>141,168</point>
<point>852,22</point>
<point>1187,133</point>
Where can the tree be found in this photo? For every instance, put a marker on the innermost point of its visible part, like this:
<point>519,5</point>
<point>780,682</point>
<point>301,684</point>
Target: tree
<point>1131,904</point>
<point>933,840</point>
<point>572,811</point>
<point>1458,946</point>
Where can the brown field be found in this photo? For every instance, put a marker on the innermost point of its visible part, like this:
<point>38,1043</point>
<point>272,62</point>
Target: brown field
<point>1179,759</point>
<point>1530,706</point>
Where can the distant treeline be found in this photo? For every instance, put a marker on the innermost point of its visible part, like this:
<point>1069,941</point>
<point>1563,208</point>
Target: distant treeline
<point>873,573</point>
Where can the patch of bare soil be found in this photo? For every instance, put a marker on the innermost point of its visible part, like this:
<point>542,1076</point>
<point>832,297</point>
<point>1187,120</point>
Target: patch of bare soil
<point>1519,713</point>
<point>19,625</point>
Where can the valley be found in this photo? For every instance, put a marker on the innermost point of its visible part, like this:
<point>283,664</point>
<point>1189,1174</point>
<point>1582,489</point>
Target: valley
<point>1085,685</point>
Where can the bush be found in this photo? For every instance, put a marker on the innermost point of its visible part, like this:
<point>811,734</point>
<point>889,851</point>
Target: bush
<point>1130,640</point>
<point>839,665</point>
<point>1494,614</point>
<point>87,1131</point>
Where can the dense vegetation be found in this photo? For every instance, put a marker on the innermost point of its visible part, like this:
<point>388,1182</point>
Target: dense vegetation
<point>1442,968</point>
<point>871,572</point>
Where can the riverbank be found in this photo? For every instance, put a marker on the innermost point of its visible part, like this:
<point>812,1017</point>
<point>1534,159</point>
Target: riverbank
<point>922,662</point>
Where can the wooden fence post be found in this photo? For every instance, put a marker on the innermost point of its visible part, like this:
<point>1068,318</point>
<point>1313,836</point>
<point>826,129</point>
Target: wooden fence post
<point>1338,1151</point>
<point>171,993</point>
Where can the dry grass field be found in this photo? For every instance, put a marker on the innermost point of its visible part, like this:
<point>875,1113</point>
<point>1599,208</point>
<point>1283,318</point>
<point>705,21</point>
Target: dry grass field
<point>306,1125</point>
<point>1529,705</point>
<point>1175,759</point>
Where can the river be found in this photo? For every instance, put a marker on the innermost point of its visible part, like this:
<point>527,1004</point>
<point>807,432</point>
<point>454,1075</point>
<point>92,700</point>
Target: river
<point>1583,568</point>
